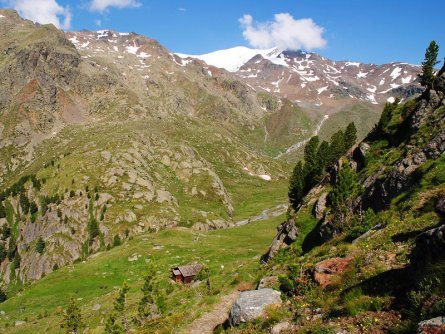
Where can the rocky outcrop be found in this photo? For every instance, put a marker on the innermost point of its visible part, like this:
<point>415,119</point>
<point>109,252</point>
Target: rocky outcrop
<point>359,155</point>
<point>287,233</point>
<point>440,206</point>
<point>429,248</point>
<point>329,272</point>
<point>250,305</point>
<point>432,326</point>
<point>320,206</point>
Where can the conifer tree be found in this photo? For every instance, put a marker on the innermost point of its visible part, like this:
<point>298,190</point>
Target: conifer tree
<point>323,154</point>
<point>117,322</point>
<point>427,77</point>
<point>344,190</point>
<point>337,145</point>
<point>296,185</point>
<point>147,308</point>
<point>72,319</point>
<point>24,203</point>
<point>40,245</point>
<point>350,135</point>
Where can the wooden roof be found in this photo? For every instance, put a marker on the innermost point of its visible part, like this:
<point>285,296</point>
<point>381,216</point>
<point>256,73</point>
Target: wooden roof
<point>189,270</point>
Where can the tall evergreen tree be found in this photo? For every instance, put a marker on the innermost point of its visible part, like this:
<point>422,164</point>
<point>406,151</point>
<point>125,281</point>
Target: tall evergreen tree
<point>24,203</point>
<point>147,308</point>
<point>72,319</point>
<point>296,185</point>
<point>427,76</point>
<point>117,322</point>
<point>323,154</point>
<point>337,145</point>
<point>344,190</point>
<point>350,135</point>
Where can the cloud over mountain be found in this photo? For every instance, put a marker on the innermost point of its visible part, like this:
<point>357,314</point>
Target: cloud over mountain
<point>43,11</point>
<point>101,5</point>
<point>284,32</point>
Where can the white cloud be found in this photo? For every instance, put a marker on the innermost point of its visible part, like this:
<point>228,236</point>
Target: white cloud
<point>98,23</point>
<point>101,5</point>
<point>43,11</point>
<point>182,9</point>
<point>284,32</point>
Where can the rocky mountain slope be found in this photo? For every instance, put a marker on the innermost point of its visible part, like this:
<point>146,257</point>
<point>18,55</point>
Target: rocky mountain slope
<point>97,145</point>
<point>363,250</point>
<point>312,80</point>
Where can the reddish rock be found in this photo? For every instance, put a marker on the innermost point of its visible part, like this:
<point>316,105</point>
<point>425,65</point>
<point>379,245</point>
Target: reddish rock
<point>328,271</point>
<point>432,326</point>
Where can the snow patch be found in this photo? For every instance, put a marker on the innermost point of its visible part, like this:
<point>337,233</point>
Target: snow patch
<point>234,58</point>
<point>322,89</point>
<point>362,74</point>
<point>407,79</point>
<point>396,73</point>
<point>132,49</point>
<point>351,63</point>
<point>265,177</point>
<point>391,99</point>
<point>74,40</point>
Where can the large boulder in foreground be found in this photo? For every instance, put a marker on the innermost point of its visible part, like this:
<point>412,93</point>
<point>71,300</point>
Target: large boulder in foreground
<point>287,233</point>
<point>251,304</point>
<point>432,326</point>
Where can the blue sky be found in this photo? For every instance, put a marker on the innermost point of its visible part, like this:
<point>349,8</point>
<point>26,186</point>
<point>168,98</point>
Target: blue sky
<point>376,31</point>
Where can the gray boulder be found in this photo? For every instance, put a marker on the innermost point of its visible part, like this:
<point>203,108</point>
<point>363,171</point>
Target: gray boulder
<point>251,304</point>
<point>432,326</point>
<point>320,206</point>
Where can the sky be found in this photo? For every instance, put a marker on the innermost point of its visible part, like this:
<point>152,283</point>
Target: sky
<point>372,31</point>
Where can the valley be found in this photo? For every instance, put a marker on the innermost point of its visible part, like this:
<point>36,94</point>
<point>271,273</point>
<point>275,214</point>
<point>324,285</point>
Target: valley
<point>281,172</point>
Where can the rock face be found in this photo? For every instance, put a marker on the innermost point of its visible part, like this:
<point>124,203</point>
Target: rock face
<point>287,233</point>
<point>432,326</point>
<point>327,272</point>
<point>320,206</point>
<point>251,304</point>
<point>429,248</point>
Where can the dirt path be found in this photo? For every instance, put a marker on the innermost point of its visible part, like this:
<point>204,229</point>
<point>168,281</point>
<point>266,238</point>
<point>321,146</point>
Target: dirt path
<point>209,320</point>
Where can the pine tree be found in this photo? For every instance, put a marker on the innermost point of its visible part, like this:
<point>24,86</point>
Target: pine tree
<point>350,135</point>
<point>147,308</point>
<point>337,146</point>
<point>323,154</point>
<point>112,325</point>
<point>24,203</point>
<point>33,208</point>
<point>296,185</point>
<point>40,245</point>
<point>116,321</point>
<point>427,77</point>
<point>343,192</point>
<point>72,319</point>
<point>93,229</point>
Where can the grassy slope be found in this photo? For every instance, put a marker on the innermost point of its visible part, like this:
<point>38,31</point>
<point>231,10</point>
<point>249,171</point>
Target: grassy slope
<point>232,255</point>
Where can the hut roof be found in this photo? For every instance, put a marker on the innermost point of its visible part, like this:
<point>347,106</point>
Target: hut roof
<point>190,269</point>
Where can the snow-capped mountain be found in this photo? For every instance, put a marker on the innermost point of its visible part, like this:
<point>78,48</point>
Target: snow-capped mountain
<point>309,77</point>
<point>232,59</point>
